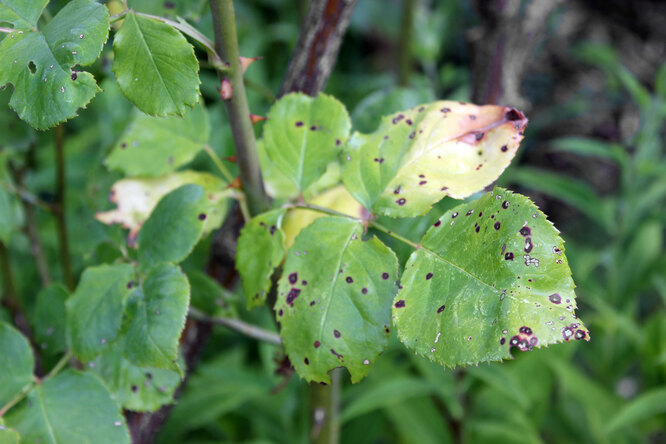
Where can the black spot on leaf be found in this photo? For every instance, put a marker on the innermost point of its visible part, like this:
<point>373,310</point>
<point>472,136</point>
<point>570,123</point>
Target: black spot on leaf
<point>497,225</point>
<point>293,277</point>
<point>400,303</point>
<point>555,298</point>
<point>336,333</point>
<point>508,256</point>
<point>441,309</point>
<point>429,276</point>
<point>385,276</point>
<point>292,295</point>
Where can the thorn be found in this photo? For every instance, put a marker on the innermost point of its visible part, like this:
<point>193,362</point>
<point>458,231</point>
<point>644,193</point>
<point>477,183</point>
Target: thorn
<point>231,159</point>
<point>256,119</point>
<point>226,90</point>
<point>236,184</point>
<point>245,62</point>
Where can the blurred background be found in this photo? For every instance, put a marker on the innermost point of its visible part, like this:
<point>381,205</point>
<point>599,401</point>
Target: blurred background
<point>590,76</point>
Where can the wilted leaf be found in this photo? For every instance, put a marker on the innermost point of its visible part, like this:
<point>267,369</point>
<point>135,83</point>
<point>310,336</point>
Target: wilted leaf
<point>136,198</point>
<point>95,310</point>
<point>39,63</point>
<point>489,276</point>
<point>418,156</point>
<point>155,66</point>
<point>16,363</point>
<point>334,299</point>
<point>303,135</point>
<point>157,317</point>
<point>70,408</point>
<point>260,250</point>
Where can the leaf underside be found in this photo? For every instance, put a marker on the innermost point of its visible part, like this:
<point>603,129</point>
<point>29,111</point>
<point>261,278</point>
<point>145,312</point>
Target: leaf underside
<point>489,276</point>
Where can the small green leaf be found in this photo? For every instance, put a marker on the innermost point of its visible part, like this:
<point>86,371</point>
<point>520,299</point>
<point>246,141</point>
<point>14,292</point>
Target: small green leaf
<point>334,299</point>
<point>418,156</point>
<point>174,227</point>
<point>95,310</point>
<point>49,319</point>
<point>140,389</point>
<point>490,275</point>
<point>154,146</point>
<point>209,297</point>
<point>155,66</point>
<point>136,199</point>
<point>39,64</point>
<point>16,363</point>
<point>70,408</point>
<point>304,134</point>
<point>157,317</point>
<point>21,14</point>
<point>260,250</point>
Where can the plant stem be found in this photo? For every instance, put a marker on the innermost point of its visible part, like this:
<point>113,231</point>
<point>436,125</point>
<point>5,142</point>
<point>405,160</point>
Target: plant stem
<point>19,397</point>
<point>405,42</point>
<point>325,408</point>
<point>396,236</point>
<point>61,222</point>
<point>36,245</point>
<point>238,111</point>
<point>249,330</point>
<point>218,163</point>
<point>10,296</point>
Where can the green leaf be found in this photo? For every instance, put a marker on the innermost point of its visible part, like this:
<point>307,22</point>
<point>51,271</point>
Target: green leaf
<point>647,405</point>
<point>304,134</point>
<point>490,275</point>
<point>418,156</point>
<point>8,436</point>
<point>261,248</point>
<point>39,65</point>
<point>136,199</point>
<point>174,227</point>
<point>334,299</point>
<point>157,317</point>
<point>140,389</point>
<point>49,319</point>
<point>95,310</point>
<point>70,408</point>
<point>11,213</point>
<point>154,146</point>
<point>21,14</point>
<point>16,363</point>
<point>209,297</point>
<point>155,66</point>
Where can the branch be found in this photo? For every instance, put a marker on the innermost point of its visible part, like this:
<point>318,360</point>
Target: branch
<point>242,327</point>
<point>61,221</point>
<point>238,111</point>
<point>318,44</point>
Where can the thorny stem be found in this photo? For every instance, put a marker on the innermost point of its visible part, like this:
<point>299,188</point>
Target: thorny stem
<point>371,223</point>
<point>61,222</point>
<point>54,371</point>
<point>249,330</point>
<point>238,111</point>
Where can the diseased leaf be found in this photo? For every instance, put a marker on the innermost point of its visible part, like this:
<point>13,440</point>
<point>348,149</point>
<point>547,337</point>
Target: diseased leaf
<point>333,306</point>
<point>174,227</point>
<point>16,363</point>
<point>157,317</point>
<point>304,134</point>
<point>260,250</point>
<point>95,310</point>
<point>154,146</point>
<point>140,389</point>
<point>70,408</point>
<point>155,66</point>
<point>490,275</point>
<point>49,319</point>
<point>136,199</point>
<point>21,14</point>
<point>418,156</point>
<point>39,64</point>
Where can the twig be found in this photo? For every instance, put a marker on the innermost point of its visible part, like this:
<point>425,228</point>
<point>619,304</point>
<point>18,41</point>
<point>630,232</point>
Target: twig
<point>238,111</point>
<point>61,221</point>
<point>248,330</point>
<point>10,297</point>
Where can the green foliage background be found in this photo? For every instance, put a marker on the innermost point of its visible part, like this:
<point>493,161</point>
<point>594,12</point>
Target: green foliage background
<point>605,189</point>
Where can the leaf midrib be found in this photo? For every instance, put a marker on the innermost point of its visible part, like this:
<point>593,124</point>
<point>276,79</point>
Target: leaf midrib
<point>42,407</point>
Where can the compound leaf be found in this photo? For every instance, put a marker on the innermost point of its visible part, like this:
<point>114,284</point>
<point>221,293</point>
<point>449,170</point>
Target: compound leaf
<point>261,248</point>
<point>304,134</point>
<point>490,275</point>
<point>39,64</point>
<point>154,146</point>
<point>334,299</point>
<point>70,408</point>
<point>155,66</point>
<point>157,317</point>
<point>418,156</point>
<point>16,363</point>
<point>94,312</point>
